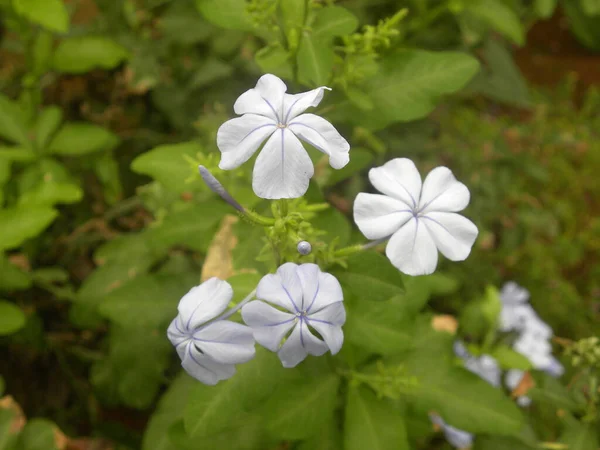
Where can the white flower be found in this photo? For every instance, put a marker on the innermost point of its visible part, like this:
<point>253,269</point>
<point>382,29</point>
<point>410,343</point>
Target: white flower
<point>485,366</point>
<point>420,217</point>
<point>298,298</point>
<point>512,380</point>
<point>513,294</point>
<point>209,349</point>
<point>457,438</point>
<point>283,167</point>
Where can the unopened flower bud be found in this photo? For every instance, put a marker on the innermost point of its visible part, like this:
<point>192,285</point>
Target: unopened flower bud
<point>304,248</point>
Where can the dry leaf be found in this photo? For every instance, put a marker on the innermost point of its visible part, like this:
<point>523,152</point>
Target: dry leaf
<point>526,383</point>
<point>444,322</point>
<point>219,261</point>
<point>19,419</point>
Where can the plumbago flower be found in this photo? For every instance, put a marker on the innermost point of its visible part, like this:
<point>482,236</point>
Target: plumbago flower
<point>290,303</point>
<point>208,345</point>
<point>283,167</point>
<point>419,217</point>
<point>457,438</point>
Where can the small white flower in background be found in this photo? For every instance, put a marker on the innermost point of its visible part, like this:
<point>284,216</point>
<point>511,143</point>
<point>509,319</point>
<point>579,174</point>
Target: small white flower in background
<point>512,380</point>
<point>457,438</point>
<point>283,167</point>
<point>513,294</point>
<point>291,302</point>
<point>419,216</point>
<point>485,366</point>
<point>209,349</point>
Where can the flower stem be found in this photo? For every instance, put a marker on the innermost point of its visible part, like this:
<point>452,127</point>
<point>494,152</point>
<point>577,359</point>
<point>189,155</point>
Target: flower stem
<point>237,307</point>
<point>347,251</point>
<point>258,219</point>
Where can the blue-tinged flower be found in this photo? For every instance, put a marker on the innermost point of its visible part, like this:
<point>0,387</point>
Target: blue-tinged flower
<point>293,304</point>
<point>419,218</point>
<point>457,438</point>
<point>484,366</point>
<point>208,346</point>
<point>283,168</point>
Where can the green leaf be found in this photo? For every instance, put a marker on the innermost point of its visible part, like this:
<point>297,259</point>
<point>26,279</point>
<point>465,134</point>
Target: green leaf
<point>590,7</point>
<point>500,17</point>
<point>545,8</point>
<point>212,409</point>
<point>296,410</point>
<point>12,122</point>
<point>230,14</point>
<point>11,277</point>
<point>360,159</point>
<point>51,14</point>
<point>169,165</point>
<point>47,124</point>
<point>45,170</point>
<point>38,434</point>
<point>315,60</point>
<point>329,437</point>
<point>507,358</point>
<point>293,14</point>
<point>274,59</point>
<point>464,399</point>
<point>381,327</point>
<point>410,83</point>
<point>8,432</point>
<point>12,318</point>
<point>579,436</point>
<point>370,277</point>
<point>585,28</point>
<point>549,391</point>
<point>335,224</point>
<point>21,154</point>
<point>50,193</point>
<point>80,138</point>
<point>84,53</point>
<point>20,223</point>
<point>333,21</point>
<point>168,412</point>
<point>371,423</point>
<point>107,171</point>
<point>491,305</point>
<point>2,386</point>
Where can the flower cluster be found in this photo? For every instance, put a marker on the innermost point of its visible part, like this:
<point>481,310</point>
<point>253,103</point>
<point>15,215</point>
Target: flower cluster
<point>290,303</point>
<point>299,310</point>
<point>533,336</point>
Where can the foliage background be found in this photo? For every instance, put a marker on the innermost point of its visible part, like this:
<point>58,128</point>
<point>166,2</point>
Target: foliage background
<point>108,107</point>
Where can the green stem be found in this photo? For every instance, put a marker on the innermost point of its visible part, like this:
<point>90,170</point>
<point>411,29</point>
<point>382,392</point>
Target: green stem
<point>258,219</point>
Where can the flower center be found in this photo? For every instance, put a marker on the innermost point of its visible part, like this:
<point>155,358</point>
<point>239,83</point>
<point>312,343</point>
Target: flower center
<point>281,125</point>
<point>301,315</point>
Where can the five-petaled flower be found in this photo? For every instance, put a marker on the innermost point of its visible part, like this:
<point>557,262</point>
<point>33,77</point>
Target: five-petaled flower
<point>291,302</point>
<point>283,168</point>
<point>419,216</point>
<point>209,349</point>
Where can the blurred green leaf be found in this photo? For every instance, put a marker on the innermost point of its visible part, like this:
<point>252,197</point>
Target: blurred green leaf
<point>590,7</point>
<point>549,391</point>
<point>333,21</point>
<point>276,60</point>
<point>212,409</point>
<point>84,53</point>
<point>508,358</point>
<point>585,28</point>
<point>371,423</point>
<point>20,223</point>
<point>580,436</point>
<point>329,437</point>
<point>45,170</point>
<point>545,8</point>
<point>500,17</point>
<point>230,14</point>
<point>51,14</point>
<point>21,154</point>
<point>360,159</point>
<point>409,85</point>
<point>107,171</point>
<point>169,165</point>
<point>12,122</point>
<point>39,434</point>
<point>293,14</point>
<point>80,138</point>
<point>11,277</point>
<point>370,277</point>
<point>315,61</point>
<point>50,193</point>
<point>12,318</point>
<point>8,433</point>
<point>296,410</point>
<point>46,126</point>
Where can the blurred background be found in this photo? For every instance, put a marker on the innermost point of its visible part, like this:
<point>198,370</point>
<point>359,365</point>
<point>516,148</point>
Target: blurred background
<point>107,107</point>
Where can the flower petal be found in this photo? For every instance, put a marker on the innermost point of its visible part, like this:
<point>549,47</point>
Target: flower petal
<point>323,136</point>
<point>379,216</point>
<point>412,250</point>
<point>442,192</point>
<point>239,138</point>
<point>204,302</point>
<point>266,99</point>
<point>453,234</point>
<point>283,168</point>
<point>328,322</point>
<point>292,352</point>
<point>269,325</point>
<point>178,337</point>
<point>226,342</point>
<point>203,368</point>
<point>398,178</point>
<point>329,291</point>
<point>313,345</point>
<point>294,104</point>
<point>282,288</point>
